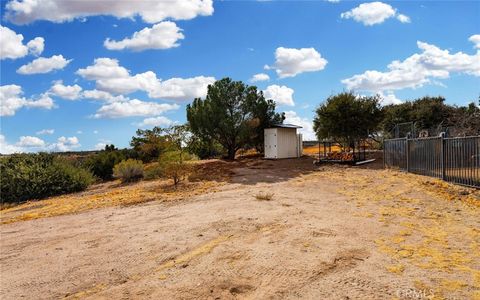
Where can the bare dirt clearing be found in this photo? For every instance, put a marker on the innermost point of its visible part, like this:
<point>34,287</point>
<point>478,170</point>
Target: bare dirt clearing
<point>326,233</point>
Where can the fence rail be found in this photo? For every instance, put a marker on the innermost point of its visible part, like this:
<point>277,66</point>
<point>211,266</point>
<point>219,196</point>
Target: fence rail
<point>455,160</point>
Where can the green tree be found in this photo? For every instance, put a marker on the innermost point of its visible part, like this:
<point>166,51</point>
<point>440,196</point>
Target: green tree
<point>232,114</point>
<point>346,117</point>
<point>150,143</point>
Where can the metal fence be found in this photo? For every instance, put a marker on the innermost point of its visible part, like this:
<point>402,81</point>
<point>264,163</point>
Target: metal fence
<point>455,160</point>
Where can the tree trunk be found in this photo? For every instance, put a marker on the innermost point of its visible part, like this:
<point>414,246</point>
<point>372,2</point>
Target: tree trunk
<point>231,153</point>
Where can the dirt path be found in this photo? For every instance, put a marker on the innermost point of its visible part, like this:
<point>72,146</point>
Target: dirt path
<point>332,233</point>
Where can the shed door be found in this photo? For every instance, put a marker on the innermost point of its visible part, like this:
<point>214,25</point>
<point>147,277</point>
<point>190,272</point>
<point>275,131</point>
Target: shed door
<point>270,144</point>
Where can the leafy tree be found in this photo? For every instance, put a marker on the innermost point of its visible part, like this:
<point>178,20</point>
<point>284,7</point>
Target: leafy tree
<point>175,165</point>
<point>232,114</point>
<point>346,117</point>
<point>102,163</point>
<point>149,143</point>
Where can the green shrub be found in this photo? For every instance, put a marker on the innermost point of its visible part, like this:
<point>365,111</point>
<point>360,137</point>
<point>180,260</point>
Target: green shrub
<point>128,170</point>
<point>153,171</point>
<point>36,176</point>
<point>175,165</point>
<point>101,164</point>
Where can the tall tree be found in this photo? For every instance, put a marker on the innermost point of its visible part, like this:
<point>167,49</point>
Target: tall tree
<point>346,117</point>
<point>232,114</point>
<point>150,143</point>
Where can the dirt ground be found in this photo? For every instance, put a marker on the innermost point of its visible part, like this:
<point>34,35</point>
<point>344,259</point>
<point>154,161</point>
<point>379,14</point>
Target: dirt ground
<point>328,232</point>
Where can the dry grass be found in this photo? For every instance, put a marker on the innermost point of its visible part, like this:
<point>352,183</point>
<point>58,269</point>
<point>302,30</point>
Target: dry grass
<point>439,234</point>
<point>264,196</point>
<point>105,195</point>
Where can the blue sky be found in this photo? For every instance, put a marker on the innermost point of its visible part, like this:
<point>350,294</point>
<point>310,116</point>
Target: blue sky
<point>69,55</point>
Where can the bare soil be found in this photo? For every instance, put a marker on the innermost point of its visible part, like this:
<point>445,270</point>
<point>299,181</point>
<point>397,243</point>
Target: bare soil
<point>328,232</point>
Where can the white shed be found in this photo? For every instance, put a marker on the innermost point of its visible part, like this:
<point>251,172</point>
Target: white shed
<point>282,141</point>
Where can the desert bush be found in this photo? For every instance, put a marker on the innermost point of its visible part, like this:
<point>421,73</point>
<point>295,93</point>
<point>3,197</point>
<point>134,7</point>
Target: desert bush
<point>264,196</point>
<point>175,165</point>
<point>153,171</point>
<point>36,176</point>
<point>101,164</point>
<point>128,170</point>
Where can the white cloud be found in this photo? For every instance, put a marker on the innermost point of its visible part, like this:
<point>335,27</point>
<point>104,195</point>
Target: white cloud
<point>280,94</point>
<point>151,11</point>
<point>291,117</point>
<point>36,45</point>
<point>102,95</point>
<point>260,77</point>
<point>417,70</point>
<point>403,18</point>
<point>163,35</point>
<point>476,40</point>
<point>12,47</point>
<point>103,68</point>
<point>30,141</point>
<point>290,62</point>
<point>44,65</point>
<point>65,144</point>
<point>374,13</point>
<point>45,131</point>
<point>133,108</point>
<point>110,77</point>
<point>95,132</point>
<point>69,92</point>
<point>333,1</point>
<point>6,148</point>
<point>388,98</point>
<point>11,100</point>
<point>156,121</point>
<point>100,146</point>
<point>181,89</point>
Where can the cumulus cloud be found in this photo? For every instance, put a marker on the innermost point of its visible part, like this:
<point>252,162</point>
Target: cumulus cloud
<point>403,18</point>
<point>45,131</point>
<point>156,121</point>
<point>151,11</point>
<point>260,77</point>
<point>163,35</point>
<point>36,46</point>
<point>374,13</point>
<point>65,144</point>
<point>476,40</point>
<point>12,47</point>
<point>417,70</point>
<point>181,89</point>
<point>290,62</point>
<point>110,77</point>
<point>102,95</point>
<point>388,98</point>
<point>11,100</point>
<point>30,141</point>
<point>69,92</point>
<point>6,148</point>
<point>133,108</point>
<point>292,117</point>
<point>282,95</point>
<point>44,65</point>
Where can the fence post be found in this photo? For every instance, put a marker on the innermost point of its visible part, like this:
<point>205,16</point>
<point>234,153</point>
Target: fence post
<point>407,152</point>
<point>442,151</point>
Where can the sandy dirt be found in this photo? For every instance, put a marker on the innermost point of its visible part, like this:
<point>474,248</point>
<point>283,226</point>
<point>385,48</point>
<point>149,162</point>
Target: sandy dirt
<point>327,233</point>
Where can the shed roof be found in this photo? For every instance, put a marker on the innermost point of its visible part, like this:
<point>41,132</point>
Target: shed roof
<point>286,126</point>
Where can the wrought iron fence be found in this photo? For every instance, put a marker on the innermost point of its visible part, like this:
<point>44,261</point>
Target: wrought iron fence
<point>455,160</point>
